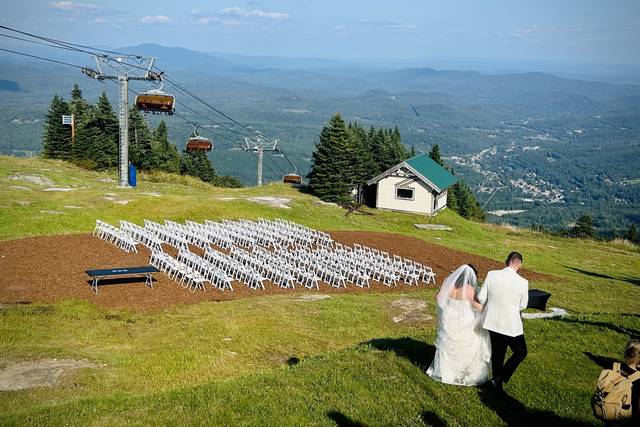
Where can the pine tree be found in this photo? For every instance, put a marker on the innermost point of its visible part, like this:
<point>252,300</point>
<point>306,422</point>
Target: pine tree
<point>435,155</point>
<point>330,168</point>
<point>96,143</point>
<point>141,152</point>
<point>583,228</point>
<point>165,155</point>
<point>632,234</point>
<point>376,146</point>
<point>363,166</point>
<point>197,164</point>
<point>78,106</point>
<point>57,137</point>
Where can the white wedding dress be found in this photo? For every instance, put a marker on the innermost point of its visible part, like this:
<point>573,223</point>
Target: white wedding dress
<point>463,349</point>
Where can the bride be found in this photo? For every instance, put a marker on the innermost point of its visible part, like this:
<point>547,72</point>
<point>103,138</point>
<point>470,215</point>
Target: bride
<point>463,350</point>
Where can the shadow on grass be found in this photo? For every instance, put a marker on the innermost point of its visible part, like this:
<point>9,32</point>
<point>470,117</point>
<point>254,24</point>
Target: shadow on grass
<point>603,361</point>
<point>514,413</point>
<point>293,361</point>
<point>632,280</point>
<point>432,419</point>
<point>342,420</point>
<point>417,352</point>
<point>619,329</point>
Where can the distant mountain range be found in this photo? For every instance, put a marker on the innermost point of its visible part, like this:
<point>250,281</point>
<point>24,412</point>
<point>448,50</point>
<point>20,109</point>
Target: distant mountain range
<point>561,146</point>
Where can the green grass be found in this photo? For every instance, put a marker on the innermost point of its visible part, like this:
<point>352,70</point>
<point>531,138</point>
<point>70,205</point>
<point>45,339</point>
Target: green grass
<point>276,361</point>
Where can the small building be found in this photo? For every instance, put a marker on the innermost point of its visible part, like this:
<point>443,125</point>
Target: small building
<point>417,185</point>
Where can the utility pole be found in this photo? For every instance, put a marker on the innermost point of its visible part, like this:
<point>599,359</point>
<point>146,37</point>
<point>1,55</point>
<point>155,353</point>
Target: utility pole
<point>259,145</point>
<point>122,73</point>
<point>491,196</point>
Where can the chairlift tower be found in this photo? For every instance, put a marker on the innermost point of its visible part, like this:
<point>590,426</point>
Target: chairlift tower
<point>122,72</point>
<point>259,145</point>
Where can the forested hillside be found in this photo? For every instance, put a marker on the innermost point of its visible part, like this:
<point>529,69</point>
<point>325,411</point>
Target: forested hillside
<point>557,148</point>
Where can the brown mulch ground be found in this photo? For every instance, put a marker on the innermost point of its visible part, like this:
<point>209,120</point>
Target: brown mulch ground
<point>52,268</point>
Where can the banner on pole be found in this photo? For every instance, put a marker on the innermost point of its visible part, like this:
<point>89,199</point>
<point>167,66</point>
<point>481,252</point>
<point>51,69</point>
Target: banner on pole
<point>67,120</point>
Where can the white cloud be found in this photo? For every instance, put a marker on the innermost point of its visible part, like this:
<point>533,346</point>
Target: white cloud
<point>237,11</point>
<point>156,19</point>
<point>540,29</point>
<point>69,6</point>
<point>387,25</point>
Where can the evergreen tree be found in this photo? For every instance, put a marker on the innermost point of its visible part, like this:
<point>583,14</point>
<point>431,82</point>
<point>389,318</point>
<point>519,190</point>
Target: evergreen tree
<point>165,155</point>
<point>583,228</point>
<point>78,106</point>
<point>435,155</point>
<point>376,146</point>
<point>330,170</point>
<point>197,164</point>
<point>464,202</point>
<point>141,152</point>
<point>363,166</point>
<point>57,137</point>
<point>96,143</point>
<point>632,234</point>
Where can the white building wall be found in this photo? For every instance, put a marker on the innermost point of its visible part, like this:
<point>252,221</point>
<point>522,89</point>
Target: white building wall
<point>441,200</point>
<point>422,198</point>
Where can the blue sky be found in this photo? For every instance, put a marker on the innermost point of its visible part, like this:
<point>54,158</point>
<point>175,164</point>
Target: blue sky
<point>551,30</point>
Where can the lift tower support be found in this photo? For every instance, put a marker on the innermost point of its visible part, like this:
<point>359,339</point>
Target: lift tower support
<point>122,72</point>
<point>259,145</point>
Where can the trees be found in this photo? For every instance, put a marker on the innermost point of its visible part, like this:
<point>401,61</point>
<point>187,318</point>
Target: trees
<point>141,152</point>
<point>434,153</point>
<point>632,234</point>
<point>78,106</point>
<point>197,164</point>
<point>347,156</point>
<point>460,198</point>
<point>165,155</point>
<point>97,139</point>
<point>583,228</point>
<point>330,172</point>
<point>57,137</point>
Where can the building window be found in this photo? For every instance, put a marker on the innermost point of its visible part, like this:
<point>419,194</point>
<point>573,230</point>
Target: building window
<point>404,193</point>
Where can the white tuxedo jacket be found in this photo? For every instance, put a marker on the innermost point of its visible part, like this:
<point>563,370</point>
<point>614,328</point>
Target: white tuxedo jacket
<point>504,293</point>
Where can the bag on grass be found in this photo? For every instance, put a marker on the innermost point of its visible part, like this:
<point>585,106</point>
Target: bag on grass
<point>612,399</point>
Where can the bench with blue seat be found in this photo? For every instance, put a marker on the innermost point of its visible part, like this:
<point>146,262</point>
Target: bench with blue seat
<point>146,271</point>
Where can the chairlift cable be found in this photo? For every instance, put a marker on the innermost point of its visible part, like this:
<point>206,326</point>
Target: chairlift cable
<point>41,58</point>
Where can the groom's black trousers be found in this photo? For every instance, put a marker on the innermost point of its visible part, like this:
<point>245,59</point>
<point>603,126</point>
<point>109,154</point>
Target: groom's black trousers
<point>499,344</point>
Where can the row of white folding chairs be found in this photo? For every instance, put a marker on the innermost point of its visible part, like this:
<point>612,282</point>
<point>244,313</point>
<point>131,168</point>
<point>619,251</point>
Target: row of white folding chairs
<point>115,236</point>
<point>142,235</point>
<point>299,233</point>
<point>411,271</point>
<point>176,270</point>
<point>191,236</point>
<point>283,273</point>
<point>208,271</point>
<point>325,270</point>
<point>227,230</point>
<point>276,273</point>
<point>243,273</point>
<point>165,234</point>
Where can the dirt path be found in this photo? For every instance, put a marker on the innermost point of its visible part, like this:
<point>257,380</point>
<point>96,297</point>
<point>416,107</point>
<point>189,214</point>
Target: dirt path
<point>51,268</point>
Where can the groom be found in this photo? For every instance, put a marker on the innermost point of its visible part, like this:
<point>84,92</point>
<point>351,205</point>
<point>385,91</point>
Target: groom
<point>504,294</point>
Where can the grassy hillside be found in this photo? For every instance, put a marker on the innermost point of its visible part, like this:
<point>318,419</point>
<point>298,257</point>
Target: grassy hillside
<point>276,360</point>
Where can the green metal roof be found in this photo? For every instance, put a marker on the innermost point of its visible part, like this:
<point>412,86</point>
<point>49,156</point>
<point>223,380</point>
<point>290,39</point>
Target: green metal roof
<point>428,168</point>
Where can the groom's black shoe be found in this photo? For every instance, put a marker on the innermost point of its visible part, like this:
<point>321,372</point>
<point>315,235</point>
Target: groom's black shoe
<point>496,385</point>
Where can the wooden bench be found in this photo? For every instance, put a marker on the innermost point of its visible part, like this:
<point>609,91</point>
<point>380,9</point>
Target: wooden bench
<point>146,271</point>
